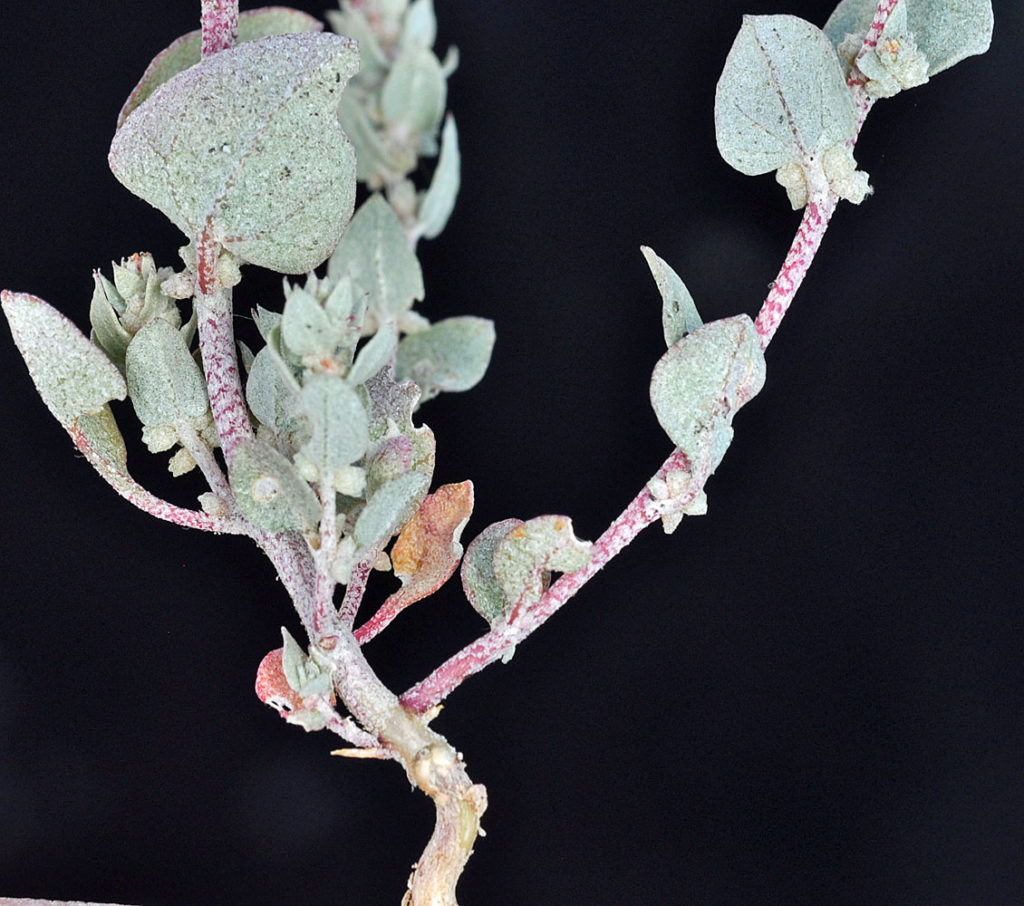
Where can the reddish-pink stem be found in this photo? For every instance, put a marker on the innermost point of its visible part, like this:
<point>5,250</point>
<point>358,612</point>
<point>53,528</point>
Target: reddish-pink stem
<point>640,513</point>
<point>801,253</point>
<point>220,25</point>
<point>217,346</point>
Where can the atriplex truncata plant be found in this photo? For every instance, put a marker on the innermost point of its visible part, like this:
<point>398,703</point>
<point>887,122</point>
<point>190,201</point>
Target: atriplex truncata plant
<point>251,136</point>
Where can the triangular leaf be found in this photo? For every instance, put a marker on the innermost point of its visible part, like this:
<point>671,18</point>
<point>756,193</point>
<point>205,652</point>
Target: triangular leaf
<point>678,312</point>
<point>246,145</point>
<point>71,374</point>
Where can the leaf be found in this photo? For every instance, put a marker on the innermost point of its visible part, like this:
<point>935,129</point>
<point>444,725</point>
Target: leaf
<point>72,375</point>
<point>306,329</point>
<point>246,145</point>
<point>376,254</point>
<point>481,585</point>
<point>698,385</point>
<point>420,25</point>
<point>165,384</point>
<point>527,555</point>
<point>372,154</point>
<point>782,99</point>
<point>415,91</point>
<point>107,332</point>
<point>100,432</point>
<point>339,423</point>
<point>451,355</point>
<point>389,508</point>
<point>439,200</point>
<point>270,397</point>
<point>944,31</point>
<point>374,356</point>
<point>678,313</point>
<point>426,553</point>
<point>270,492</point>
<point>186,51</point>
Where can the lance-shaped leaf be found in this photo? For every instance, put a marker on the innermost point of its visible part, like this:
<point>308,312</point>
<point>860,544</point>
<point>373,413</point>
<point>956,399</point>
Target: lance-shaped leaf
<point>374,356</point>
<point>525,558</point>
<point>376,254</point>
<point>943,32</point>
<point>678,312</point>
<point>269,490</point>
<point>415,91</point>
<point>72,375</point>
<point>246,146</point>
<point>439,200</point>
<point>481,585</point>
<point>186,51</point>
<point>390,508</point>
<point>165,384</point>
<point>338,420</point>
<point>426,553</point>
<point>782,101</point>
<point>450,355</point>
<point>698,385</point>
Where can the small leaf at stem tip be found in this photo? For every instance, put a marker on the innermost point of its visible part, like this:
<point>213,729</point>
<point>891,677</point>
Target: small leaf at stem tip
<point>698,385</point>
<point>481,585</point>
<point>186,51</point>
<point>165,384</point>
<point>529,553</point>
<point>272,400</point>
<point>390,508</point>
<point>270,492</point>
<point>942,33</point>
<point>374,356</point>
<point>419,27</point>
<point>73,376</point>
<point>376,254</point>
<point>679,314</point>
<point>307,331</point>
<point>451,355</point>
<point>782,100</point>
<point>246,147</point>
<point>439,200</point>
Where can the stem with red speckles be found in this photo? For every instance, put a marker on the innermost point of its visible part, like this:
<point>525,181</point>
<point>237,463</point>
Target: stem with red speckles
<point>217,346</point>
<point>641,512</point>
<point>220,25</point>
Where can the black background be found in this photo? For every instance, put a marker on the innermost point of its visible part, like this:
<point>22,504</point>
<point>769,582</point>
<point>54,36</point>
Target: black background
<point>811,695</point>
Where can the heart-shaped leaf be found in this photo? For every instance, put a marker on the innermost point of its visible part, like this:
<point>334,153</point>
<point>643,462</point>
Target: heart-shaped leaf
<point>781,97</point>
<point>246,145</point>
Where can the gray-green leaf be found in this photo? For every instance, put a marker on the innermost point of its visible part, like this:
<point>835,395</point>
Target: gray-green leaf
<point>944,31</point>
<point>374,356</point>
<point>678,312</point>
<point>246,145</point>
<point>781,97</point>
<point>306,329</point>
<point>339,422</point>
<point>415,91</point>
<point>376,254</point>
<point>525,557</point>
<point>71,374</point>
<point>270,492</point>
<point>481,585</point>
<point>698,385</point>
<point>272,400</point>
<point>450,355</point>
<point>165,384</point>
<point>390,508</point>
<point>439,200</point>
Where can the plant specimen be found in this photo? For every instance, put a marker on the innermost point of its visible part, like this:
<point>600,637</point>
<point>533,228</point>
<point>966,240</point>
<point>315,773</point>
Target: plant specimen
<point>325,461</point>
